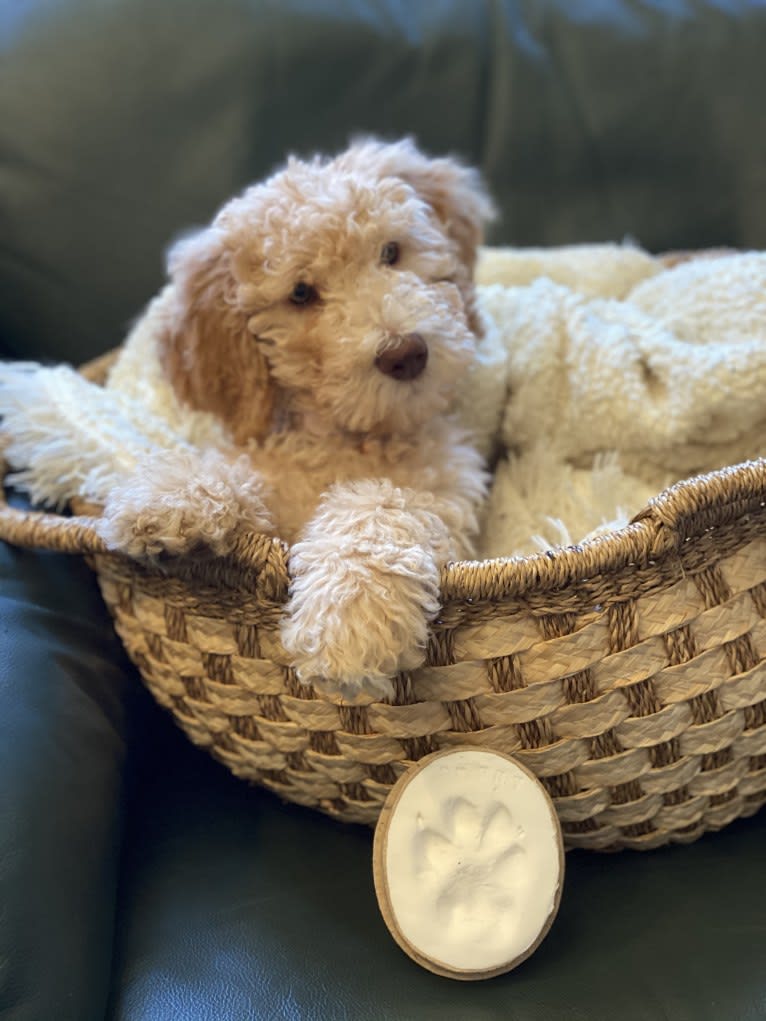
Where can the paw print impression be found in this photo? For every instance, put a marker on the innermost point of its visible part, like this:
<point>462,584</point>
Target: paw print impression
<point>471,865</point>
<point>468,862</point>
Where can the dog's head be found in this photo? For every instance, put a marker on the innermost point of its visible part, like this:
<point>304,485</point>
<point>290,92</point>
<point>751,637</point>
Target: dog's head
<point>341,289</point>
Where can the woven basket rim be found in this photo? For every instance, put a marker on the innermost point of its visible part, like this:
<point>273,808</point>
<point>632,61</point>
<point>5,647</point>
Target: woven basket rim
<point>678,514</point>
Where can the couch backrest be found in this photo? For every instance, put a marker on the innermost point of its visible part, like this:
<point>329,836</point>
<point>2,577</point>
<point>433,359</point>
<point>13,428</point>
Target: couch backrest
<point>123,122</point>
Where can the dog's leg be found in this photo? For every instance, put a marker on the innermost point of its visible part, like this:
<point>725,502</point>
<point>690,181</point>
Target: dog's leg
<point>180,499</point>
<point>365,585</point>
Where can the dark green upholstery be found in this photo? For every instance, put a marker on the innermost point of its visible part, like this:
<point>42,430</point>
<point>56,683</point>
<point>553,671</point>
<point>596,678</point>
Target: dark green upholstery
<point>138,880</point>
<point>123,122</point>
<point>236,906</point>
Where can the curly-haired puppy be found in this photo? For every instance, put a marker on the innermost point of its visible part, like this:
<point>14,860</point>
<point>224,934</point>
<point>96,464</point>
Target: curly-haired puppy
<point>326,318</point>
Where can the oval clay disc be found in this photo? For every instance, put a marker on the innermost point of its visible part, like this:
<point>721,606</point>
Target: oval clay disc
<point>468,863</point>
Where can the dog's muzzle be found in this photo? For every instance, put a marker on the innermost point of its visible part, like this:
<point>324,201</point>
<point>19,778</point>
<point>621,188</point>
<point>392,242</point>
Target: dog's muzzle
<point>406,360</point>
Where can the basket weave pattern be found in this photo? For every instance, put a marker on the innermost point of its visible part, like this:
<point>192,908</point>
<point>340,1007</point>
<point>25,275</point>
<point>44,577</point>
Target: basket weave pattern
<point>628,674</point>
<point>637,696</point>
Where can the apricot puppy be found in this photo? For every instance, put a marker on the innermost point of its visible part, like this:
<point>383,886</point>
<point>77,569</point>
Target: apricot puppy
<point>325,319</point>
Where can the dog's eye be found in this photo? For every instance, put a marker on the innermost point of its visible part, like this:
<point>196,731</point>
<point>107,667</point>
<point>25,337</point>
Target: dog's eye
<point>303,294</point>
<point>389,253</point>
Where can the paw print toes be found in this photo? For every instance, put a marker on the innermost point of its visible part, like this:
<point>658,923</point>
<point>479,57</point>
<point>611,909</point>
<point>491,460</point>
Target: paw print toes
<point>464,821</point>
<point>499,828</point>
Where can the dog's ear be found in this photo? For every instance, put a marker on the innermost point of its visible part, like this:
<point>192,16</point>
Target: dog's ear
<point>207,351</point>
<point>454,191</point>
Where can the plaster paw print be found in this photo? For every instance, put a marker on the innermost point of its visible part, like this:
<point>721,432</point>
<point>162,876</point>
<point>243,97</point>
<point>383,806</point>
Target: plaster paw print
<point>471,865</point>
<point>468,863</point>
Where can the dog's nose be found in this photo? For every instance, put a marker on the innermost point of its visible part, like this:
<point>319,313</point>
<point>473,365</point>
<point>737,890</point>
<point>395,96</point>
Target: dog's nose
<point>406,360</point>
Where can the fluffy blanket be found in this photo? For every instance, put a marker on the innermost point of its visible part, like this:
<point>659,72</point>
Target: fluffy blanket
<point>622,376</point>
<point>602,377</point>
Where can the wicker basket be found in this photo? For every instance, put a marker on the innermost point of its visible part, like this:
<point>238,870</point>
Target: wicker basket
<point>629,674</point>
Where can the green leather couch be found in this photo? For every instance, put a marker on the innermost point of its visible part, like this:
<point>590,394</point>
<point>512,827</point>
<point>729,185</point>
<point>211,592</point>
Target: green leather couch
<point>138,880</point>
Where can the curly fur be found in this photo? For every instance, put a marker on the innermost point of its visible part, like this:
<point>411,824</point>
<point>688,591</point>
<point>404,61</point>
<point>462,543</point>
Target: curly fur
<point>369,476</point>
<point>181,499</point>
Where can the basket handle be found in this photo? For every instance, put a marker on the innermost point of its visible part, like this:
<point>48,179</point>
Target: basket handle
<point>40,530</point>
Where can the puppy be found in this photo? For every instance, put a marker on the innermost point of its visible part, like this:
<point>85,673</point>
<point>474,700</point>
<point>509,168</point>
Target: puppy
<point>325,320</point>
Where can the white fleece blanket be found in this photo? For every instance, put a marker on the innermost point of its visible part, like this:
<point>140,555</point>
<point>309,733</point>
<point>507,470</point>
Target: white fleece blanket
<point>602,377</point>
<point>622,377</point>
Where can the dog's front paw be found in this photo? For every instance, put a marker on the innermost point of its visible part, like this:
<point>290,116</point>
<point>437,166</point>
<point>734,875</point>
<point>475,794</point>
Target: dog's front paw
<point>350,626</point>
<point>342,658</point>
<point>141,531</point>
<point>370,688</point>
<point>183,499</point>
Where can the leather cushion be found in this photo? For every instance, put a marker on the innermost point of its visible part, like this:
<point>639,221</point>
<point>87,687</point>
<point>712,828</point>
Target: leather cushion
<point>125,123</point>
<point>69,706</point>
<point>236,905</point>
